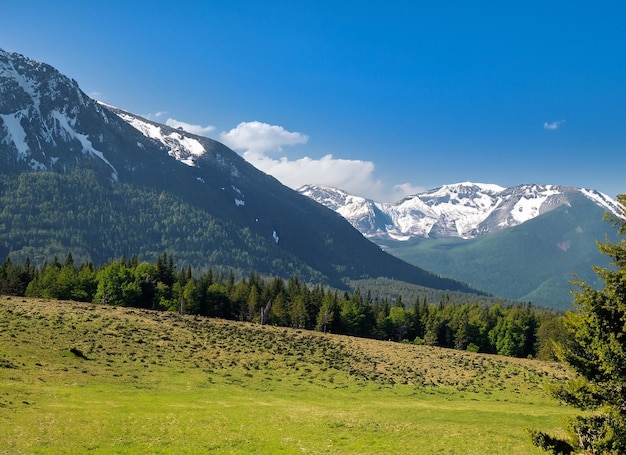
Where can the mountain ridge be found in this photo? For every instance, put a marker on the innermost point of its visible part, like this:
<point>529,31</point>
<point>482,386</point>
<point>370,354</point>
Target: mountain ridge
<point>465,210</point>
<point>523,248</point>
<point>48,127</point>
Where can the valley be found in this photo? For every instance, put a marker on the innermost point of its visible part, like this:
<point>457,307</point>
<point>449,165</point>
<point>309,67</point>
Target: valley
<point>312,228</point>
<point>82,177</point>
<point>525,243</point>
<point>88,178</point>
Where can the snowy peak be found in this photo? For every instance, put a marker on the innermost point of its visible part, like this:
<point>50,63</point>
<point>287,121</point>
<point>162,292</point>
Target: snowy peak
<point>448,211</point>
<point>364,214</point>
<point>464,210</point>
<point>48,124</point>
<point>462,192</point>
<point>604,201</point>
<point>336,199</point>
<point>44,117</point>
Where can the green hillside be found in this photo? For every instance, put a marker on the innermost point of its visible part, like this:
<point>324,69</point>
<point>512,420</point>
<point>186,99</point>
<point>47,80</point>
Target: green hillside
<point>83,378</point>
<point>534,261</point>
<point>49,214</point>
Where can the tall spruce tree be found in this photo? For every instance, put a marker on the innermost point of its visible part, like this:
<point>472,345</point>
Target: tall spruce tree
<point>596,350</point>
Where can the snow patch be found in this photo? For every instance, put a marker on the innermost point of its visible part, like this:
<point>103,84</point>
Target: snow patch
<point>16,133</point>
<point>193,146</point>
<point>67,125</point>
<point>275,236</point>
<point>529,205</point>
<point>24,83</point>
<point>402,238</point>
<point>604,201</point>
<point>185,149</point>
<point>239,202</point>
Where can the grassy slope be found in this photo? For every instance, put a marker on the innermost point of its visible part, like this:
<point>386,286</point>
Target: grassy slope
<point>153,382</point>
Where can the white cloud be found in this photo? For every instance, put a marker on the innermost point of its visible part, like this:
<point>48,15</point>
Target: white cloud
<point>256,140</point>
<point>193,129</point>
<point>261,137</point>
<point>354,176</point>
<point>405,189</point>
<point>553,125</point>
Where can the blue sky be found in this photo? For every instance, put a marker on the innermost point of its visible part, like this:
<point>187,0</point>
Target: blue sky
<point>380,98</point>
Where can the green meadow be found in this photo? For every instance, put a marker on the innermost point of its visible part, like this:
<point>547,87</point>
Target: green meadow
<point>84,378</point>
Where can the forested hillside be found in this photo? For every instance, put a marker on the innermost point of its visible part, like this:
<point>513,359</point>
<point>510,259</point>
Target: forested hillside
<point>51,213</point>
<point>46,214</point>
<point>514,330</point>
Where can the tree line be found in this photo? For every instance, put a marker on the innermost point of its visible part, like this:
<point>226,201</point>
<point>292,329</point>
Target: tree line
<point>514,330</point>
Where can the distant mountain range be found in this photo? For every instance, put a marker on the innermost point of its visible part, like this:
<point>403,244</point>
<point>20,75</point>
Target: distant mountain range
<point>524,243</point>
<point>80,176</point>
<point>465,210</point>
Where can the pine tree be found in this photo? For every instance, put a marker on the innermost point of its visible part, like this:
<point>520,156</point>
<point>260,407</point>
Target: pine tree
<point>596,351</point>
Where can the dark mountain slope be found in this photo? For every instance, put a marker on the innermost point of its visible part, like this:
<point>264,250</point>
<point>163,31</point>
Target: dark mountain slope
<point>75,175</point>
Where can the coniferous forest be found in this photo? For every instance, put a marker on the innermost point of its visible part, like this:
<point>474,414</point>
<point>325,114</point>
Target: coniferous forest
<point>519,330</point>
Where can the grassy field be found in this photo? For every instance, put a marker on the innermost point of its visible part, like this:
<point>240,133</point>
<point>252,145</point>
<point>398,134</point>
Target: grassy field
<point>82,378</point>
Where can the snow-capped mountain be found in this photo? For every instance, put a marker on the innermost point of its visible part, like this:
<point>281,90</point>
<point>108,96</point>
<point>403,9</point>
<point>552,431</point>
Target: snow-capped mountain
<point>42,113</point>
<point>464,210</point>
<point>523,243</point>
<point>48,124</point>
<point>119,170</point>
<point>364,214</point>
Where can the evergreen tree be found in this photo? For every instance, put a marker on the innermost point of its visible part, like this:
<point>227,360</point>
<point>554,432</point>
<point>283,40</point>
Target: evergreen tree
<point>217,301</point>
<point>85,285</point>
<point>328,319</point>
<point>383,328</point>
<point>597,352</point>
<point>352,314</point>
<point>146,279</point>
<point>239,300</point>
<point>297,312</point>
<point>165,270</point>
<point>316,297</point>
<point>508,336</point>
<point>15,279</point>
<point>550,332</point>
<point>279,311</point>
